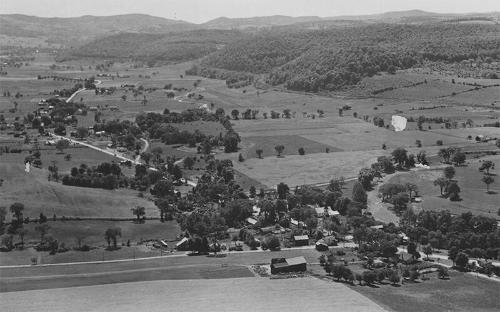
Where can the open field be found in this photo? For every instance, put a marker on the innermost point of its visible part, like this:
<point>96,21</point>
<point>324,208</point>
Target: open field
<point>93,231</point>
<point>39,195</point>
<point>291,142</point>
<point>313,168</point>
<point>473,190</point>
<point>273,295</point>
<point>462,292</point>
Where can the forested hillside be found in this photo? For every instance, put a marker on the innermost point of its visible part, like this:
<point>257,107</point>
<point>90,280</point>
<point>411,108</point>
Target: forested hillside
<point>312,60</point>
<point>155,48</point>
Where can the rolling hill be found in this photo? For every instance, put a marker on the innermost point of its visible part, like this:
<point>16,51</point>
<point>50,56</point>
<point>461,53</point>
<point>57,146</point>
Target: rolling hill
<point>171,47</point>
<point>336,57</point>
<point>86,28</point>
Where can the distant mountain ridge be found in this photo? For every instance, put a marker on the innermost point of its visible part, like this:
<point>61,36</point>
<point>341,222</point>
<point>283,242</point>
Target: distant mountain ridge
<point>87,27</point>
<point>77,30</point>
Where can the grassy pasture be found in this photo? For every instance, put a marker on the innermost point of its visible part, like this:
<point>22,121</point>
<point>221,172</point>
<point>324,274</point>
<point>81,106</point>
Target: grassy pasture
<point>93,231</point>
<point>39,195</point>
<point>291,142</point>
<point>473,190</point>
<point>431,90</point>
<point>462,292</point>
<point>485,96</point>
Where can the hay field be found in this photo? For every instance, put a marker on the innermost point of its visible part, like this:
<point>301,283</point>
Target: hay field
<point>312,168</point>
<point>238,294</point>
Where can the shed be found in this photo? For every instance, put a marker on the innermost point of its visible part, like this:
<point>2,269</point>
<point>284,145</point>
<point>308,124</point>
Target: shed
<point>282,265</point>
<point>301,240</point>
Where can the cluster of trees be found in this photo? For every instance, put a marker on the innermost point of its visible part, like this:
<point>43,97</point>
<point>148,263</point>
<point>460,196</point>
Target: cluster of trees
<point>106,175</point>
<point>476,236</point>
<point>58,115</point>
<point>313,60</point>
<point>448,187</point>
<point>158,126</point>
<point>398,194</point>
<point>485,167</point>
<point>452,155</point>
<point>342,271</point>
<point>16,227</point>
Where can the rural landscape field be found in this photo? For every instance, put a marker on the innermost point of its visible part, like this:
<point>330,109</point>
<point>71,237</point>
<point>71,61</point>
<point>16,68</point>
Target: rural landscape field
<point>249,164</point>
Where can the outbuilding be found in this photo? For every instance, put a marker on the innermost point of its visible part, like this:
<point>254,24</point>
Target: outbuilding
<point>301,240</point>
<point>182,244</point>
<point>282,265</point>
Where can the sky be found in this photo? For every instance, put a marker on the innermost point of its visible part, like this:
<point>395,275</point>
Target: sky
<point>199,11</point>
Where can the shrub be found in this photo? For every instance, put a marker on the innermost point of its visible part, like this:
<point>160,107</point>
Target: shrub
<point>443,272</point>
<point>272,242</point>
<point>369,277</point>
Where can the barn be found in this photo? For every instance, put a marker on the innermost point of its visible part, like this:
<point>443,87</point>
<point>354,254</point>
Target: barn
<point>282,265</point>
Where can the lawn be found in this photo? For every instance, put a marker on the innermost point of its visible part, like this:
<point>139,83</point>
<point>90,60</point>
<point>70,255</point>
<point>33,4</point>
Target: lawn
<point>473,190</point>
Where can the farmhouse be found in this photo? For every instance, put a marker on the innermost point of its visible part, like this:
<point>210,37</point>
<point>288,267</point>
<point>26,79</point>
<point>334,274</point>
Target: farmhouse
<point>282,265</point>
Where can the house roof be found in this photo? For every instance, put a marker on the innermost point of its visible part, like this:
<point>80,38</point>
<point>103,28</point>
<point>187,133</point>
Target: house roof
<point>268,228</point>
<point>252,221</point>
<point>296,260</point>
<point>320,210</point>
<point>333,212</point>
<point>321,242</point>
<point>301,237</point>
<point>294,222</point>
<point>181,242</point>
